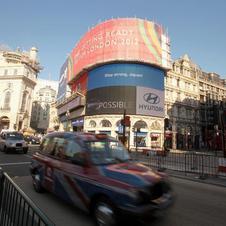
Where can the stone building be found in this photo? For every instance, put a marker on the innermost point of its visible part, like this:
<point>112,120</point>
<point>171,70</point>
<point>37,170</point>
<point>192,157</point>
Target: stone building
<point>192,106</point>
<point>18,75</point>
<point>43,109</point>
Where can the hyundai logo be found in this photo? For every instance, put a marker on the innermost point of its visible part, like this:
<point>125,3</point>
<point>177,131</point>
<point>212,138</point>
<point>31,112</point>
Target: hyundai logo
<point>151,98</point>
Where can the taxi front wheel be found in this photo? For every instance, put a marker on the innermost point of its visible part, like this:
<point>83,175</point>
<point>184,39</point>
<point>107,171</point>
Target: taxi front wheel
<point>104,213</point>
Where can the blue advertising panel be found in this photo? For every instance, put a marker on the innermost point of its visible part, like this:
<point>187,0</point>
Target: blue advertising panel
<point>126,74</point>
<point>62,82</point>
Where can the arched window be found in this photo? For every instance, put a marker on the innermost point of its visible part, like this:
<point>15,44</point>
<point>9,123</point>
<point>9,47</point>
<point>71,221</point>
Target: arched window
<point>92,124</point>
<point>140,124</point>
<point>105,123</point>
<point>24,100</point>
<point>118,123</point>
<point>7,100</point>
<point>156,125</point>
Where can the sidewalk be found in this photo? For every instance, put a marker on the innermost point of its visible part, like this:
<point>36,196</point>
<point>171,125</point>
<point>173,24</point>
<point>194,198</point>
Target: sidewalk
<point>219,181</point>
<point>200,151</point>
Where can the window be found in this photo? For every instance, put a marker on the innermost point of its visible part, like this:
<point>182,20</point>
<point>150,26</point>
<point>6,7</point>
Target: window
<point>6,72</point>
<point>105,123</point>
<point>107,152</point>
<point>92,124</point>
<point>24,100</point>
<point>73,149</point>
<point>48,145</point>
<point>15,72</point>
<point>7,100</point>
<point>60,147</point>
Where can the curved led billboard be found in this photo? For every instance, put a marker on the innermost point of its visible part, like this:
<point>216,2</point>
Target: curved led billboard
<point>138,88</point>
<point>125,39</point>
<point>136,100</point>
<point>125,74</point>
<point>111,100</point>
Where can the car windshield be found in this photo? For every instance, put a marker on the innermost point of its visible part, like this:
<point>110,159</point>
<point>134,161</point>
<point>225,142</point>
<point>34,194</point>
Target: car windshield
<point>14,136</point>
<point>107,152</point>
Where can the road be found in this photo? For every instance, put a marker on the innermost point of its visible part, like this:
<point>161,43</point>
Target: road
<point>16,164</point>
<point>197,204</point>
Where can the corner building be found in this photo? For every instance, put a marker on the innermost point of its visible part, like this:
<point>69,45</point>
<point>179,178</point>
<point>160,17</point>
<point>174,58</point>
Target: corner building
<point>118,66</point>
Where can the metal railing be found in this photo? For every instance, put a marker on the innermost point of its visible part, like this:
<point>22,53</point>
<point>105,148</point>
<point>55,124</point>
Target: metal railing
<point>16,209</point>
<point>201,164</point>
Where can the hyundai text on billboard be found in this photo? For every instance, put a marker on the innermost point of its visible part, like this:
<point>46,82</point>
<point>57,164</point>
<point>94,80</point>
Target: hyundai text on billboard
<point>126,74</point>
<point>124,39</point>
<point>149,102</point>
<point>111,100</point>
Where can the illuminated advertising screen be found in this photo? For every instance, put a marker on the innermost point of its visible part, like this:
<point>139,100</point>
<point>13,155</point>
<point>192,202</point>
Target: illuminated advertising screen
<point>125,39</point>
<point>138,88</point>
<point>80,84</point>
<point>126,74</point>
<point>62,82</point>
<point>149,101</point>
<point>111,100</point>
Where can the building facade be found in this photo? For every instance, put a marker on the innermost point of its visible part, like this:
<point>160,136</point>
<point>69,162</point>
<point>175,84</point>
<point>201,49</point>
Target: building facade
<point>43,110</point>
<point>127,67</point>
<point>194,105</point>
<point>18,75</point>
<point>118,68</point>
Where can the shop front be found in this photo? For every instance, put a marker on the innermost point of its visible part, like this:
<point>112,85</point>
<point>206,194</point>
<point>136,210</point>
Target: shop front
<point>168,139</point>
<point>155,140</point>
<point>77,124</point>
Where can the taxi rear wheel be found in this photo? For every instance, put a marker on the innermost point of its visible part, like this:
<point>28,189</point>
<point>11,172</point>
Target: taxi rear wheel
<point>37,183</point>
<point>104,213</point>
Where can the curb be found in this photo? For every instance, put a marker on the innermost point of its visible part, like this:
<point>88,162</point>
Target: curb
<point>199,180</point>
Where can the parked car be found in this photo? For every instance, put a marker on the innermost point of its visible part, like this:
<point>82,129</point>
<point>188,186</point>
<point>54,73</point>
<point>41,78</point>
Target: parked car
<point>13,141</point>
<point>94,172</point>
<point>32,139</point>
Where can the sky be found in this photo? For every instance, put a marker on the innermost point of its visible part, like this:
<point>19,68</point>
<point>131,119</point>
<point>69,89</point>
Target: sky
<point>195,27</point>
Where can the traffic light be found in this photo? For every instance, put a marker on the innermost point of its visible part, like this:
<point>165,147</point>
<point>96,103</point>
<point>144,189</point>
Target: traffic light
<point>126,121</point>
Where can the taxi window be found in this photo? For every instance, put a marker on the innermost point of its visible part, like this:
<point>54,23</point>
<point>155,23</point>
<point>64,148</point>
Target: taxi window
<point>60,148</point>
<point>73,148</point>
<point>48,145</point>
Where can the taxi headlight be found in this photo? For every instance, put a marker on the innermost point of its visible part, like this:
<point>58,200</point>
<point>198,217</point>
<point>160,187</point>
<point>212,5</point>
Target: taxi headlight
<point>140,195</point>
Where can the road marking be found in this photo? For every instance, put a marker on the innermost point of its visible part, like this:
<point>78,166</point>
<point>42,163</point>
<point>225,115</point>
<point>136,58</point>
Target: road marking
<point>29,156</point>
<point>14,163</point>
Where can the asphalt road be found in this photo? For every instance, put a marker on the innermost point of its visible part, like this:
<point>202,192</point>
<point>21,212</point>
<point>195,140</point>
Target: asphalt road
<point>197,204</point>
<point>17,164</point>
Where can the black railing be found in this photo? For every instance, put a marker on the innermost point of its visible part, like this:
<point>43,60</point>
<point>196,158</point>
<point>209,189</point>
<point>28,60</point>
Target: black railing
<point>201,164</point>
<point>16,208</point>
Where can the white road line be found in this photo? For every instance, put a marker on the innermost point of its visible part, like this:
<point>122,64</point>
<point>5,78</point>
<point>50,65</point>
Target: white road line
<point>14,163</point>
<point>29,156</point>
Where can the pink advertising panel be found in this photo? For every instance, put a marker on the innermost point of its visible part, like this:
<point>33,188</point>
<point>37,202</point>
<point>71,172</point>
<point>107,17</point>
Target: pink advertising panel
<point>126,39</point>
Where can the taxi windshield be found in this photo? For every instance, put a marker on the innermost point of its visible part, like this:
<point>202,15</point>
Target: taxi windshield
<point>107,152</point>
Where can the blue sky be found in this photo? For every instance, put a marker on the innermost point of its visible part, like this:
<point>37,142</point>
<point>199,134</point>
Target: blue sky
<point>195,27</point>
